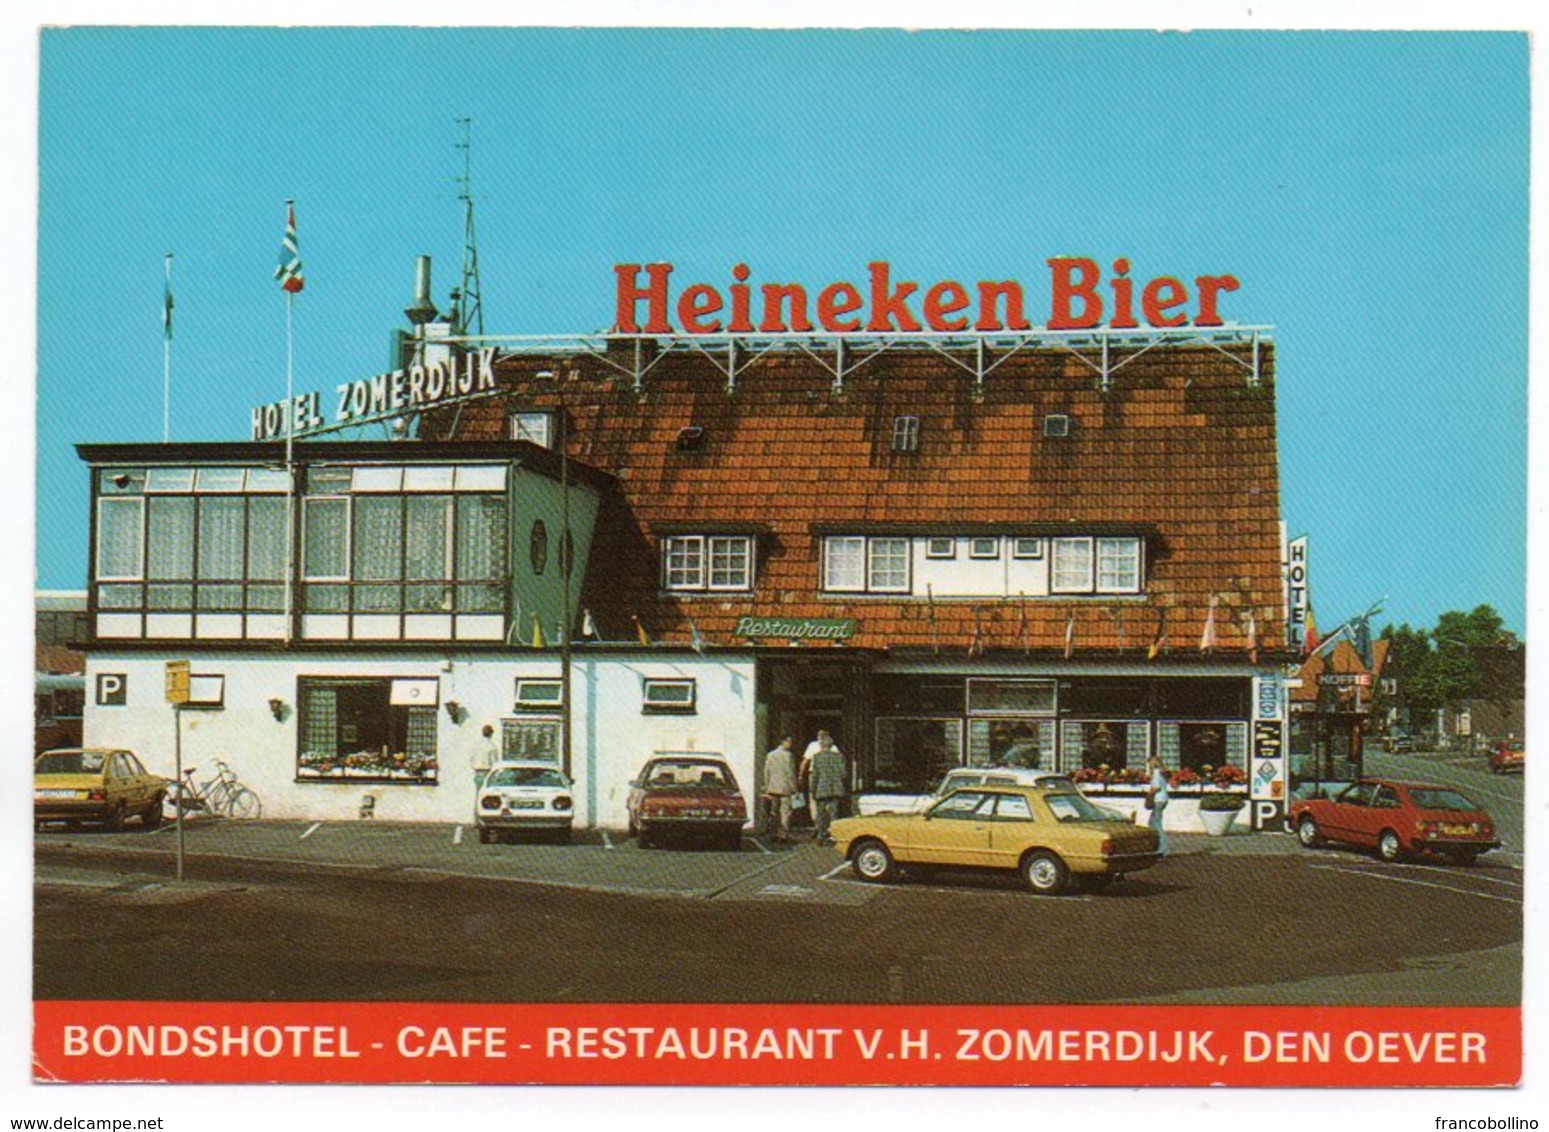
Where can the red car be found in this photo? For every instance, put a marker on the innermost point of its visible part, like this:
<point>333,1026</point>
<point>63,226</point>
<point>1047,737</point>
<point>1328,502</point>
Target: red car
<point>1508,756</point>
<point>687,795</point>
<point>1397,819</point>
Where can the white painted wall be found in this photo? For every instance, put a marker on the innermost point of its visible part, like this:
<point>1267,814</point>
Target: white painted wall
<point>612,738</point>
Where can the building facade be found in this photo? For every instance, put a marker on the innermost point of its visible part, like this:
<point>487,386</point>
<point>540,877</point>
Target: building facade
<point>1065,553</point>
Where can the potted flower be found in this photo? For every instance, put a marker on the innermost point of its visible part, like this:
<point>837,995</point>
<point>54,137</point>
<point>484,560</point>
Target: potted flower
<point>1218,810</point>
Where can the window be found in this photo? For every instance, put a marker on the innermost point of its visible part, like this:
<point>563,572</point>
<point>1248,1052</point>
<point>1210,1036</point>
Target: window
<point>912,754</point>
<point>533,427</point>
<point>401,551</point>
<point>844,564</point>
<point>353,729</point>
<point>906,434</point>
<point>1118,565</point>
<point>1013,807</point>
<point>531,740</point>
<point>1027,548</point>
<point>120,538</point>
<point>669,696</point>
<point>1010,697</point>
<point>888,565</point>
<point>1117,744</point>
<point>984,548</point>
<point>937,547</point>
<point>713,562</point>
<point>1072,570</point>
<point>965,805</point>
<point>539,693</point>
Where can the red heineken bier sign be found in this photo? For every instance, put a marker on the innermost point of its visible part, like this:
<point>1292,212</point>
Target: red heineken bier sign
<point>1081,299</point>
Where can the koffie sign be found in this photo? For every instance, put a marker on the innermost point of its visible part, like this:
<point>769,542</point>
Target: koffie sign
<point>381,397</point>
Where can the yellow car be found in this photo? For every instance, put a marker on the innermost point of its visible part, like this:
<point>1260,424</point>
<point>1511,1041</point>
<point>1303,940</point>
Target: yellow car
<point>1048,833</point>
<point>97,785</point>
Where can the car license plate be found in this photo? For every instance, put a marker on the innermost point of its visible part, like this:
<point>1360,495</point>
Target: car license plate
<point>527,804</point>
<point>56,793</point>
<point>1458,830</point>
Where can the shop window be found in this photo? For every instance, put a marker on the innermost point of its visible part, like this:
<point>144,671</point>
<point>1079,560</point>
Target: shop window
<point>1008,697</point>
<point>914,695</point>
<point>1203,746</point>
<point>360,730</point>
<point>1111,744</point>
<point>912,754</point>
<point>1011,742</point>
<point>674,696</point>
<point>707,562</point>
<point>1203,698</point>
<point>1100,697</point>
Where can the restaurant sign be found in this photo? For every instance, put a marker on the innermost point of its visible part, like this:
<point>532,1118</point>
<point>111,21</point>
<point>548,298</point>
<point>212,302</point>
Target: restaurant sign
<point>796,628</point>
<point>383,397</point>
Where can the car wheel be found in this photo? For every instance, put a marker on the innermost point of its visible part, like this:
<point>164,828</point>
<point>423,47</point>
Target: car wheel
<point>1464,857</point>
<point>1389,848</point>
<point>1045,873</point>
<point>115,819</point>
<point>872,862</point>
<point>1307,833</point>
<point>151,818</point>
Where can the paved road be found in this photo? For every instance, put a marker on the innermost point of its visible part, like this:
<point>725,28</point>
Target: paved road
<point>366,911</point>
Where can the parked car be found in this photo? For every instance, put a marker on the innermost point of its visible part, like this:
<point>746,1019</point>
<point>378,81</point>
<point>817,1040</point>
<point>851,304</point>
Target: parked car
<point>88,784</point>
<point>1397,819</point>
<point>955,779</point>
<point>687,795</point>
<point>1048,832</point>
<point>1508,756</point>
<point>524,795</point>
<point>1397,742</point>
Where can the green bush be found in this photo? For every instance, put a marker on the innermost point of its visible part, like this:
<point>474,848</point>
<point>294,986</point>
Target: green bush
<point>1218,802</point>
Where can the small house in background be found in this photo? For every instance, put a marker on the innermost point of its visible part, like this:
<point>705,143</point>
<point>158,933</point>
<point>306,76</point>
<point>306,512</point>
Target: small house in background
<point>61,626</point>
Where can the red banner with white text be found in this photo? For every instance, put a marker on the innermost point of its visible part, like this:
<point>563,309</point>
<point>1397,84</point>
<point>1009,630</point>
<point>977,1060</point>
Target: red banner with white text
<point>775,1044</point>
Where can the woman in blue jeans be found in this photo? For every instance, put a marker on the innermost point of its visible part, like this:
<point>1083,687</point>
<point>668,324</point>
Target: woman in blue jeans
<point>1157,794</point>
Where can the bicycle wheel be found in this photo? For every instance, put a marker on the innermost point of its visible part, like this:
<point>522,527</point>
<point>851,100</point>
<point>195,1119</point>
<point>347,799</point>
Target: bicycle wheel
<point>219,799</point>
<point>242,803</point>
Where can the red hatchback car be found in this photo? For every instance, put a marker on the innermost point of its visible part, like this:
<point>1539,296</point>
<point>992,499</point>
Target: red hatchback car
<point>689,795</point>
<point>1397,819</point>
<point>1508,757</point>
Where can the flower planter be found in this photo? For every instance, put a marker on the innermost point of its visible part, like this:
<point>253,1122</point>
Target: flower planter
<point>1217,822</point>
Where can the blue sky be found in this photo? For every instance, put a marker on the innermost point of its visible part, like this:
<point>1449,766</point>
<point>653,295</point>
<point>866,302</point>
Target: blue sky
<point>1369,189</point>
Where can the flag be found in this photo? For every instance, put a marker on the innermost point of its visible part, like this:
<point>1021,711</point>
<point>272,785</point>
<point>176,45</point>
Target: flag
<point>1310,642</point>
<point>166,302</point>
<point>537,633</point>
<point>1253,637</point>
<point>1159,642</point>
<point>288,272</point>
<point>1117,613</point>
<point>1070,633</point>
<point>1207,638</point>
<point>930,601</point>
<point>698,641</point>
<point>976,645</point>
<point>645,638</point>
<point>1022,627</point>
<point>588,626</point>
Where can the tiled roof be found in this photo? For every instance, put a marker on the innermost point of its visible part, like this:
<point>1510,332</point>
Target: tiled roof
<point>1181,445</point>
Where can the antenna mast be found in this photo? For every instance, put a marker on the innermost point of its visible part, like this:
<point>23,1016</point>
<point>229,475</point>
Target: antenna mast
<point>471,305</point>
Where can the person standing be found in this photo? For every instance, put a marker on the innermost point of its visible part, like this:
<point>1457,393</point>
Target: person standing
<point>827,784</point>
<point>779,785</point>
<point>1156,800</point>
<point>484,756</point>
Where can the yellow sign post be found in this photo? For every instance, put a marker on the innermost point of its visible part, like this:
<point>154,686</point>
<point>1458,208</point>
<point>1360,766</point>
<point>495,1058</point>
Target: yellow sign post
<point>177,682</point>
<point>177,696</point>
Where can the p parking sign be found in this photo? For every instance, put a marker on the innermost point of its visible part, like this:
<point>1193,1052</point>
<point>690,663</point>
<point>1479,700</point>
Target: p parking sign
<point>112,689</point>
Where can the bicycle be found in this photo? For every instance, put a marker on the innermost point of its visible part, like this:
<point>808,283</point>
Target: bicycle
<point>223,796</point>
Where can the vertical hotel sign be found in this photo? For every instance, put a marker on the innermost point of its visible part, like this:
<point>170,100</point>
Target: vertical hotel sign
<point>1296,602</point>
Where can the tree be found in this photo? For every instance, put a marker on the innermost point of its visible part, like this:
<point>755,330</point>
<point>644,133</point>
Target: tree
<point>1458,660</point>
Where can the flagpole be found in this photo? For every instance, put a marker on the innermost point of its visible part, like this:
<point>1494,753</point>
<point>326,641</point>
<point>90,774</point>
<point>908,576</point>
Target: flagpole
<point>290,470</point>
<point>166,355</point>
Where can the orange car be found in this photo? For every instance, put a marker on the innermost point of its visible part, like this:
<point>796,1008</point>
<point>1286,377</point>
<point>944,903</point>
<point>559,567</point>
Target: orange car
<point>1508,757</point>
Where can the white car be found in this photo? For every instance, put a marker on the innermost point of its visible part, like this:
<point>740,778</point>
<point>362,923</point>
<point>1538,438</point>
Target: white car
<point>524,795</point>
<point>957,779</point>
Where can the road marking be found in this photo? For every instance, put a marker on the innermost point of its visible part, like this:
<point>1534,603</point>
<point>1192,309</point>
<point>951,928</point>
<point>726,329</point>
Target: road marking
<point>762,848</point>
<point>457,835</point>
<point>311,829</point>
<point>784,890</point>
<point>607,842</point>
<point>1517,884</point>
<point>839,868</point>
<point>1423,884</point>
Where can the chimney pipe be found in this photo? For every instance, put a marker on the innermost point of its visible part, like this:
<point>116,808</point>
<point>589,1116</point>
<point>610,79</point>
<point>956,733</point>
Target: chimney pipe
<point>423,309</point>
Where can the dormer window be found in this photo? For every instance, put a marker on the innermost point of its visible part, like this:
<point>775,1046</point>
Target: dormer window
<point>906,434</point>
<point>533,427</point>
<point>700,563</point>
<point>1096,565</point>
